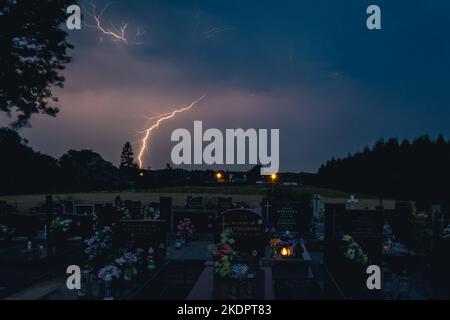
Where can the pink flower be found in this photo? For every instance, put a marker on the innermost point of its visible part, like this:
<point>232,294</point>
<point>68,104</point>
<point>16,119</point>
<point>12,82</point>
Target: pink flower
<point>226,249</point>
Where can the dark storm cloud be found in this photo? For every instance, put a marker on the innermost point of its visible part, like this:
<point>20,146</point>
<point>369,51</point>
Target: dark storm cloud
<point>310,68</point>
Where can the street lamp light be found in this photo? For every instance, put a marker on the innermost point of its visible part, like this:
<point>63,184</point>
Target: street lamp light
<point>274,177</point>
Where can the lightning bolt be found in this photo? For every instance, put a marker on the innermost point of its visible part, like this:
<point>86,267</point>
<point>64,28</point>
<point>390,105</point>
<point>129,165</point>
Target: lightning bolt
<point>161,118</point>
<point>118,34</point>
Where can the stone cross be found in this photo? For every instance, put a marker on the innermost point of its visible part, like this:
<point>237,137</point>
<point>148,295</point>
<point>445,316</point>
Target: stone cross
<point>352,201</point>
<point>317,205</point>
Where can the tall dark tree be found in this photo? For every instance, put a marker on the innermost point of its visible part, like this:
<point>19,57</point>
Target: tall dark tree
<point>33,51</point>
<point>127,157</point>
<point>416,170</point>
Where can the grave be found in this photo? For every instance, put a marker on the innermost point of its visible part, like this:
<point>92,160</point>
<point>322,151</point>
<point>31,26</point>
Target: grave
<point>108,215</point>
<point>165,210</point>
<point>247,229</point>
<point>345,277</point>
<point>440,263</point>
<point>84,209</point>
<point>292,216</point>
<point>317,207</point>
<point>142,234</point>
<point>224,204</point>
<point>202,219</point>
<point>136,213</point>
<point>195,203</point>
<point>69,206</point>
<point>249,280</point>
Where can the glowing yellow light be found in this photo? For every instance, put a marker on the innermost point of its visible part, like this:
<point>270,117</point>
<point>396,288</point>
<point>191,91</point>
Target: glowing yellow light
<point>141,174</point>
<point>218,175</point>
<point>273,176</point>
<point>285,252</point>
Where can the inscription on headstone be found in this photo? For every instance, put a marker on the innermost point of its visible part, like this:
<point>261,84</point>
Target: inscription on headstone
<point>248,231</point>
<point>143,234</point>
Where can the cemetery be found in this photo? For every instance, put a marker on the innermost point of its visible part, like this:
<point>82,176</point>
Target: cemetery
<point>214,248</point>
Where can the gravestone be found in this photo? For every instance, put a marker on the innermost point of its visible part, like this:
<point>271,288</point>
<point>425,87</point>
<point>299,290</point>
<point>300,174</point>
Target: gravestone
<point>165,210</point>
<point>224,204</point>
<point>242,205</point>
<point>317,208</point>
<point>292,216</point>
<point>136,213</point>
<point>69,206</point>
<point>82,225</point>
<point>128,203</point>
<point>84,209</point>
<point>98,206</point>
<point>194,203</point>
<point>366,228</point>
<point>203,220</point>
<point>247,229</point>
<point>440,218</point>
<point>107,215</point>
<point>48,201</point>
<point>142,234</point>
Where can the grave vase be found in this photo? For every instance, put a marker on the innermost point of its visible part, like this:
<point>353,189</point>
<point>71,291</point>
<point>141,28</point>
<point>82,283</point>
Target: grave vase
<point>108,289</point>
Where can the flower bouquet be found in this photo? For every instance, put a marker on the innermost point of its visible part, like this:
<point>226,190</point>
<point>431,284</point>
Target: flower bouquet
<point>352,251</point>
<point>130,262</point>
<point>59,230</point>
<point>6,232</point>
<point>151,213</point>
<point>108,273</point>
<point>224,255</point>
<point>99,247</point>
<point>60,226</point>
<point>185,229</point>
<point>284,247</point>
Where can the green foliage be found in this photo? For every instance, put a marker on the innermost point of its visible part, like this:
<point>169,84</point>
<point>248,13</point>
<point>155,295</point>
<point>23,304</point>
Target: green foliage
<point>416,170</point>
<point>33,53</point>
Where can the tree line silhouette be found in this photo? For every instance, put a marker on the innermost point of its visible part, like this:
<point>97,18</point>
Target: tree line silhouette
<point>417,170</point>
<point>408,170</point>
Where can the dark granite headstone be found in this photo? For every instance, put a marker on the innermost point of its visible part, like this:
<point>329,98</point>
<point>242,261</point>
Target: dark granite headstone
<point>128,203</point>
<point>84,209</point>
<point>49,201</point>
<point>365,227</point>
<point>194,203</point>
<point>143,234</point>
<point>107,215</point>
<point>69,206</point>
<point>242,205</point>
<point>203,220</point>
<point>224,204</point>
<point>248,231</point>
<point>136,213</point>
<point>82,225</point>
<point>291,216</point>
<point>98,206</point>
<point>165,209</point>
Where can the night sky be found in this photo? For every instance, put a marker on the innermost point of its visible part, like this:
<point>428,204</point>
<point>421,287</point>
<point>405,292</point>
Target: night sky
<point>310,68</point>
